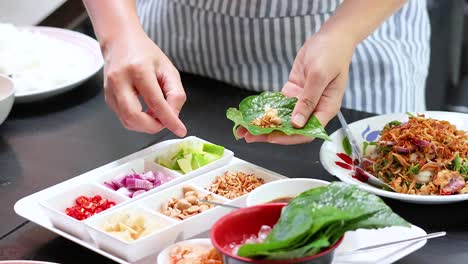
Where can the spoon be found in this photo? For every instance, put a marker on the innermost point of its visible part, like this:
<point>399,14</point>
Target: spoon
<point>390,244</point>
<point>219,204</point>
<point>357,155</point>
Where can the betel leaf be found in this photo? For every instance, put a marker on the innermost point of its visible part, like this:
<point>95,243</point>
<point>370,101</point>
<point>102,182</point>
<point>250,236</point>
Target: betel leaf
<point>347,146</point>
<point>318,217</point>
<point>253,107</point>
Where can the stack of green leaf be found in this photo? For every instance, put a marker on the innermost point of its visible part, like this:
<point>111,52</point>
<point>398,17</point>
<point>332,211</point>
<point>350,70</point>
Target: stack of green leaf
<point>318,218</point>
<point>253,107</point>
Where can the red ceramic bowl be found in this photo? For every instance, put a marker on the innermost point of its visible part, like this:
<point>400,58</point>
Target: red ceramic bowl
<point>234,226</point>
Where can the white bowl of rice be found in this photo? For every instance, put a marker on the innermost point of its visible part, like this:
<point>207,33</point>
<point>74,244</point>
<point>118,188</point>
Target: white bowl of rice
<point>7,96</point>
<point>44,61</point>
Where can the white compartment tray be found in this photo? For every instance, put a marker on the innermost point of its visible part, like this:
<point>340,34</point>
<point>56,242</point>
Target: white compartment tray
<point>32,207</point>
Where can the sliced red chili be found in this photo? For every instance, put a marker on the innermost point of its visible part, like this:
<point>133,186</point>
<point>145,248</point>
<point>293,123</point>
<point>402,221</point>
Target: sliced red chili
<point>81,200</point>
<point>86,207</point>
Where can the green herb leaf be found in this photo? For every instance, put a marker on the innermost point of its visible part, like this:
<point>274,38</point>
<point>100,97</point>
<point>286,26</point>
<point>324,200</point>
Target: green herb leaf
<point>318,217</point>
<point>347,146</point>
<point>410,114</point>
<point>413,170</point>
<point>391,124</point>
<point>456,162</point>
<point>253,107</point>
<point>366,144</point>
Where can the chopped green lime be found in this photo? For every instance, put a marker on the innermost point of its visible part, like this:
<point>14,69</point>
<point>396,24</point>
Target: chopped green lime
<point>213,149</point>
<point>185,165</point>
<point>199,160</point>
<point>190,155</point>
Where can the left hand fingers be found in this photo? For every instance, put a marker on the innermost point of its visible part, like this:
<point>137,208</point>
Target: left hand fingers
<point>241,132</point>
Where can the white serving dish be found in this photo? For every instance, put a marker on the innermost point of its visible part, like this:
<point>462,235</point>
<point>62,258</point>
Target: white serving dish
<point>282,188</point>
<point>7,96</point>
<point>164,256</point>
<point>235,166</point>
<point>134,250</point>
<point>370,237</point>
<point>368,130</point>
<point>224,160</point>
<point>193,225</point>
<point>55,205</point>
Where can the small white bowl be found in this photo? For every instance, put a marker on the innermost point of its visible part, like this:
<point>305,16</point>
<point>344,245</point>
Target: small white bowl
<point>164,256</point>
<point>222,161</point>
<point>138,166</point>
<point>7,96</point>
<point>55,206</point>
<point>282,188</point>
<point>207,179</point>
<point>191,226</point>
<point>133,251</point>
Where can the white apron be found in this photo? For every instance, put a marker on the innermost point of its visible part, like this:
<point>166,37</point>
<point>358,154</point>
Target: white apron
<point>252,44</point>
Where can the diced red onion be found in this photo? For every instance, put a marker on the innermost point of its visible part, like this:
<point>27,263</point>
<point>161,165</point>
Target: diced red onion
<point>402,150</point>
<point>133,183</point>
<point>119,180</point>
<point>149,176</point>
<point>421,143</point>
<point>455,184</point>
<point>125,191</point>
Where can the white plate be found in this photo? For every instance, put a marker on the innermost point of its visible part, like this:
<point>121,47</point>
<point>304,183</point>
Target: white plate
<point>352,240</point>
<point>368,130</point>
<point>164,256</point>
<point>364,238</point>
<point>25,262</point>
<point>83,44</point>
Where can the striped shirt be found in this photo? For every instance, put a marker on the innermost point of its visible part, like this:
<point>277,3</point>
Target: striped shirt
<point>252,44</point>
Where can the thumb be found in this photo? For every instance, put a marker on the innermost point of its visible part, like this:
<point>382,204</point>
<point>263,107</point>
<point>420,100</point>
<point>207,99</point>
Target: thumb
<point>330,102</point>
<point>309,98</point>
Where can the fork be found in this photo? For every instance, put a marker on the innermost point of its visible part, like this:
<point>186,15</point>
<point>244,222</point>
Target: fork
<point>357,155</point>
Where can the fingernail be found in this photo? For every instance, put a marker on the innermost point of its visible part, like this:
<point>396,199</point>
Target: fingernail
<point>299,120</point>
<point>181,132</point>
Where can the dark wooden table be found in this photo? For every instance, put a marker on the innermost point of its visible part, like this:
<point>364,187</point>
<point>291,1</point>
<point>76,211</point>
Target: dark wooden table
<point>46,143</point>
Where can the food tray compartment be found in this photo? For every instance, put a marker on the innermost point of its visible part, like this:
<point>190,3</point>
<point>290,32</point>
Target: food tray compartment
<point>193,225</point>
<point>204,181</point>
<point>55,205</point>
<point>140,248</point>
<point>180,177</point>
<point>137,166</point>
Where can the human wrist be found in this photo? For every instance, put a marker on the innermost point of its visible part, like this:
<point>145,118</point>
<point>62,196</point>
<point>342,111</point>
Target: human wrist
<point>333,35</point>
<point>119,36</point>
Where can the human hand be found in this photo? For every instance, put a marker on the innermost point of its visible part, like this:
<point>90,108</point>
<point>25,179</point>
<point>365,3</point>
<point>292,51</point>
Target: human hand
<point>135,66</point>
<point>318,79</point>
